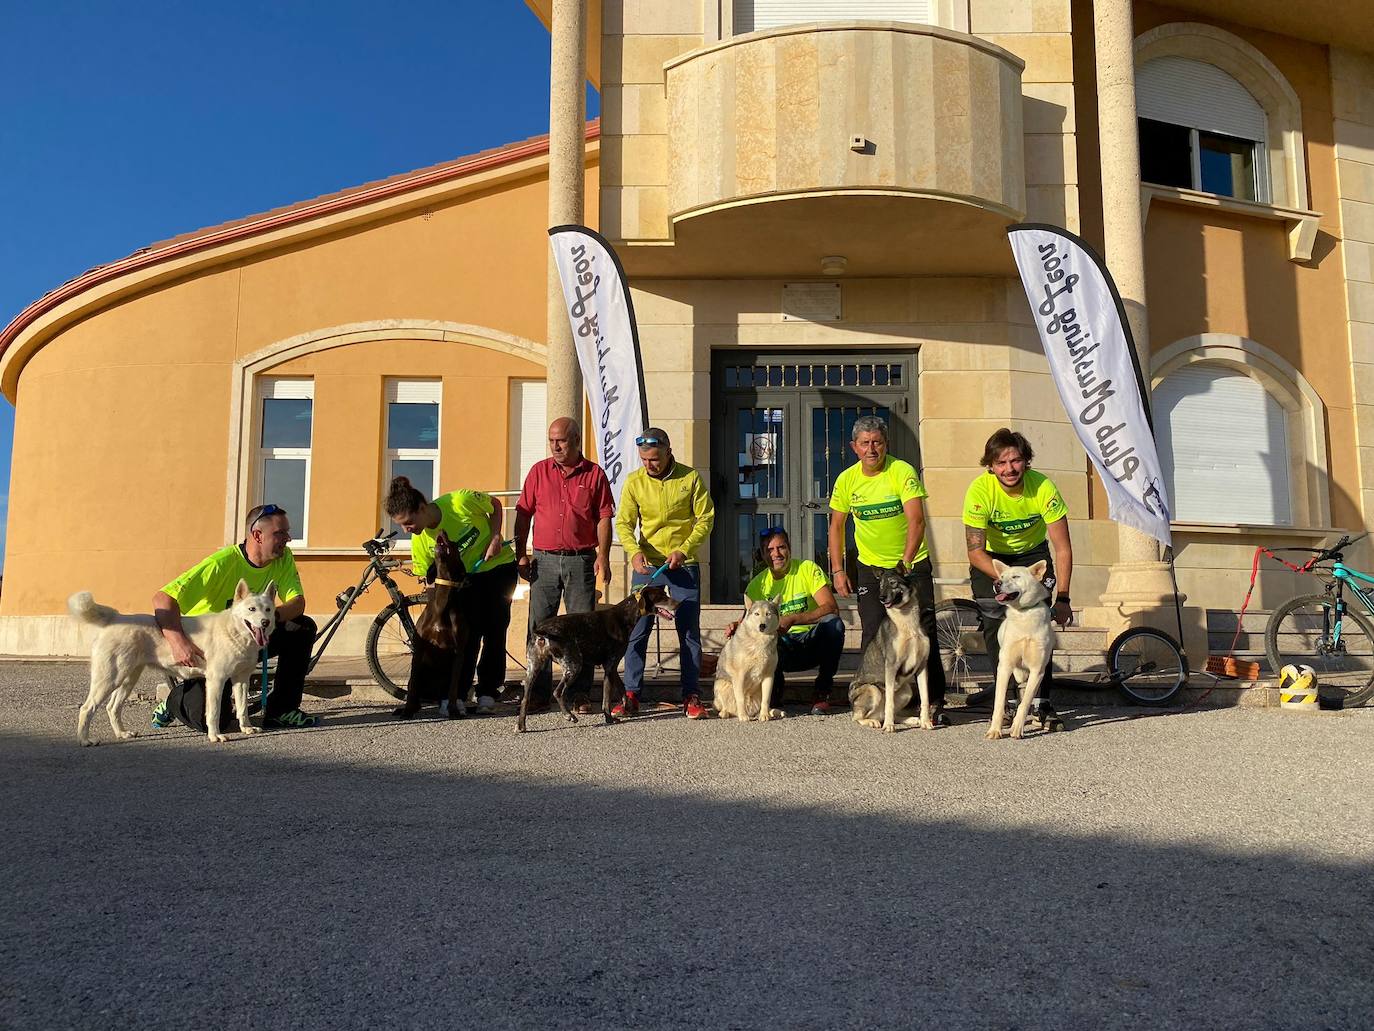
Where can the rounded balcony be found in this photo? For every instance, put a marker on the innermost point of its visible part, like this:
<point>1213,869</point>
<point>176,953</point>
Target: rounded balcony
<point>898,145</point>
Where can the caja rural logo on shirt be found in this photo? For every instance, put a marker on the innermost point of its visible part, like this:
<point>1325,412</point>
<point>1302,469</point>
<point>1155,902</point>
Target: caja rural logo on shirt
<point>793,605</point>
<point>468,537</point>
<point>875,510</point>
<point>1012,525</point>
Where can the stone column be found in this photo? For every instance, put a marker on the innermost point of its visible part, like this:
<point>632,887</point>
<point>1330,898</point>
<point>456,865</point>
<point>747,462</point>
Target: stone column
<point>567,150</point>
<point>1138,584</point>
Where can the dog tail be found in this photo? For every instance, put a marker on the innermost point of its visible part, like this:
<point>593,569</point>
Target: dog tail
<point>84,609</point>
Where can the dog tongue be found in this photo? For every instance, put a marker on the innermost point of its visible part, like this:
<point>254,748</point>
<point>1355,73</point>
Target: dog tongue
<point>1001,597</point>
<point>258,635</point>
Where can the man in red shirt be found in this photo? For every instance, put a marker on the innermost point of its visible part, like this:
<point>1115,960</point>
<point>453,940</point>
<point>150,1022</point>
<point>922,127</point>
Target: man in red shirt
<point>569,500</point>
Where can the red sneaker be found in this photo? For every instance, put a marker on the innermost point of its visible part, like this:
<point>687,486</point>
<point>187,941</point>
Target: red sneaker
<point>627,706</point>
<point>820,707</point>
<point>693,708</point>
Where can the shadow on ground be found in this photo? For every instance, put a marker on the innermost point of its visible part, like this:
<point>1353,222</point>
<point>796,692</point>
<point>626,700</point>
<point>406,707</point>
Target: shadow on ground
<point>164,883</point>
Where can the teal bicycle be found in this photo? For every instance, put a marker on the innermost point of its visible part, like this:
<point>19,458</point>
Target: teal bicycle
<point>1324,631</point>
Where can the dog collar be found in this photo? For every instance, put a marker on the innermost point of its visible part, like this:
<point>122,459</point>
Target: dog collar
<point>439,581</point>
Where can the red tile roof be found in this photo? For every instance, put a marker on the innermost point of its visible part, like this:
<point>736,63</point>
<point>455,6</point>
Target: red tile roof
<point>277,218</point>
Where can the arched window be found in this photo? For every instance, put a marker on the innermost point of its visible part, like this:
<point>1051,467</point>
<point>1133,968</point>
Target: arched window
<point>1200,129</point>
<point>1224,446</point>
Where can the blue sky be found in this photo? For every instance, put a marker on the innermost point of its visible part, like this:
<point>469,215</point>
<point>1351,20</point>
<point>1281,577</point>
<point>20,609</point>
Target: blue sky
<point>122,124</point>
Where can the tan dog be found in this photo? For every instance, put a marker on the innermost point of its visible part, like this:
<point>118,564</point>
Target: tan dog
<point>892,669</point>
<point>744,675</point>
<point>1025,640</point>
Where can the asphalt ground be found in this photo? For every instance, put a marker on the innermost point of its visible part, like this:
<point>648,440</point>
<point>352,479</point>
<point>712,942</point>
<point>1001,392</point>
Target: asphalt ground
<point>1180,870</point>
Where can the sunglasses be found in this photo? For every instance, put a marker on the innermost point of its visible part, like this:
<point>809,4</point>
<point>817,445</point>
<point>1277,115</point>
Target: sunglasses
<point>772,531</point>
<point>267,511</point>
<point>647,442</point>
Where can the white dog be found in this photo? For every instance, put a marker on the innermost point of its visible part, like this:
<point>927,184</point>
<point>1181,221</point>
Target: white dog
<point>1025,640</point>
<point>231,641</point>
<point>748,663</point>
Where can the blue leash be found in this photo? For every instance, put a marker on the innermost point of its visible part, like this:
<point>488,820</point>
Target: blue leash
<point>482,561</point>
<point>264,688</point>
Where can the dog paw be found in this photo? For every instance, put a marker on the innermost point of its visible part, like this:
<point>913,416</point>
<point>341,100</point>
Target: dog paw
<point>874,724</point>
<point>912,721</point>
<point>1016,732</point>
<point>124,735</point>
<point>251,729</point>
<point>402,713</point>
<point>993,734</point>
<point>743,718</point>
<point>889,728</point>
<point>217,739</point>
<point>88,743</point>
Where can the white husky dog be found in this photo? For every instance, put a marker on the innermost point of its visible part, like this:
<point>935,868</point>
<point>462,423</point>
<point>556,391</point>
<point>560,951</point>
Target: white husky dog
<point>748,663</point>
<point>231,641</point>
<point>1025,640</point>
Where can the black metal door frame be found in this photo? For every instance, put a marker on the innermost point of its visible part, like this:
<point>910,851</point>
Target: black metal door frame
<point>768,381</point>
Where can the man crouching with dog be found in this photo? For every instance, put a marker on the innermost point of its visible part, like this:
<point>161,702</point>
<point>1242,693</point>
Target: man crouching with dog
<point>811,633</point>
<point>1016,516</point>
<point>262,557</point>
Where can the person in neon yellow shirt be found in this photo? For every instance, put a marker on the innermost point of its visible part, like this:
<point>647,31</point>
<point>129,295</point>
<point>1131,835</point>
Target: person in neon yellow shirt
<point>887,499</point>
<point>472,521</point>
<point>811,634</point>
<point>208,586</point>
<point>1017,516</point>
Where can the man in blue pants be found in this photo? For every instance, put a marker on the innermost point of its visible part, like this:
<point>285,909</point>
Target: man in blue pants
<point>665,515</point>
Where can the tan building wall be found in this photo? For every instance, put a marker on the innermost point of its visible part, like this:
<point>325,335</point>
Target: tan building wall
<point>125,447</point>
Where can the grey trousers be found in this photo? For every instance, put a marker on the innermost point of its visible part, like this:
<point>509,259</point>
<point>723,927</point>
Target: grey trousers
<point>571,579</point>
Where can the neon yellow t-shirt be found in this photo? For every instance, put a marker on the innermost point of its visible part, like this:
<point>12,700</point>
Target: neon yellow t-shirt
<point>795,592</point>
<point>879,518</point>
<point>1014,525</point>
<point>465,515</point>
<point>209,585</point>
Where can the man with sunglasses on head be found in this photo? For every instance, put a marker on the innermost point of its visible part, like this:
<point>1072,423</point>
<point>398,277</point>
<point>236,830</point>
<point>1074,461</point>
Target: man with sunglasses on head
<point>665,515</point>
<point>810,632</point>
<point>262,557</point>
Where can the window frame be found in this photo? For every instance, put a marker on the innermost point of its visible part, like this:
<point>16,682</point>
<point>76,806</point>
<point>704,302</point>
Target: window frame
<point>283,388</point>
<point>1308,477</point>
<point>405,390</point>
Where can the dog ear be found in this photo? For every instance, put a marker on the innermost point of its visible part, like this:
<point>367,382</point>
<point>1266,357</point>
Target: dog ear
<point>271,590</point>
<point>242,590</point>
<point>1038,570</point>
<point>999,567</point>
<point>901,569</point>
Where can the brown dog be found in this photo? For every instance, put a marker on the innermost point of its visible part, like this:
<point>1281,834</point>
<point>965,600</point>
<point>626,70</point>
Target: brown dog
<point>441,635</point>
<point>581,639</point>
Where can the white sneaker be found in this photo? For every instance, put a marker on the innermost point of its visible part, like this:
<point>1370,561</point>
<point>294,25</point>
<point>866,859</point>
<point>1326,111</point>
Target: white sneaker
<point>486,705</point>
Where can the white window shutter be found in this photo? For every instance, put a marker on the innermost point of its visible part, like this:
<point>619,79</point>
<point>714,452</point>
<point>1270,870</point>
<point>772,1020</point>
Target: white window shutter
<point>1198,95</point>
<point>1223,443</point>
<point>414,391</point>
<point>755,15</point>
<point>529,427</point>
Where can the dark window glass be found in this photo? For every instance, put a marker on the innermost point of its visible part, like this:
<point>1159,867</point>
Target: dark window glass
<point>1228,165</point>
<point>1165,153</point>
<point>286,422</point>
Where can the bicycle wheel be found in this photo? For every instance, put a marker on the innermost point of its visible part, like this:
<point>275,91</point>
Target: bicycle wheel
<point>389,644</point>
<point>1301,632</point>
<point>959,634</point>
<point>1148,664</point>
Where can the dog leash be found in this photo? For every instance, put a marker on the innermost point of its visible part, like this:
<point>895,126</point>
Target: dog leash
<point>263,704</point>
<point>482,561</point>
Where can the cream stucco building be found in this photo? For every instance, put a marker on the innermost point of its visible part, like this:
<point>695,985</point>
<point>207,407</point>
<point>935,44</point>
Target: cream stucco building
<point>810,199</point>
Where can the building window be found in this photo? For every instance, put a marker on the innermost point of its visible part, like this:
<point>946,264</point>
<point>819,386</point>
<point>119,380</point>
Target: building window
<point>529,428</point>
<point>1200,129</point>
<point>286,420</point>
<point>412,434</point>
<point>757,15</point>
<point>1224,444</point>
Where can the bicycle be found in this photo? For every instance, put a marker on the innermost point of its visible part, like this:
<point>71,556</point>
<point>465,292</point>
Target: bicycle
<point>1146,664</point>
<point>1323,631</point>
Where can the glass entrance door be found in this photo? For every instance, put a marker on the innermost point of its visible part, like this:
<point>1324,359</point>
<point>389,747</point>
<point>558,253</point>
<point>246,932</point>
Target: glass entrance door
<point>780,437</point>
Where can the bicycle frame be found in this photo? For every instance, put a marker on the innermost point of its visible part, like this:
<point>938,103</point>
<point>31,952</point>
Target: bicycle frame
<point>1343,576</point>
<point>374,572</point>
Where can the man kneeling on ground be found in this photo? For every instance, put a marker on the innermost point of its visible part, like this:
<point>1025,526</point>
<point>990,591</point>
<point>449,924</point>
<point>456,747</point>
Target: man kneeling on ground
<point>810,632</point>
<point>261,557</point>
